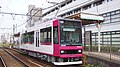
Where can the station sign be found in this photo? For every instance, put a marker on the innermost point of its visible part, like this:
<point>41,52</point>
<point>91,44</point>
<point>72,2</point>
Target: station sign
<point>91,17</point>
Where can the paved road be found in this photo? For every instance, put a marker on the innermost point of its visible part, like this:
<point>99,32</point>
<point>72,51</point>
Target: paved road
<point>104,56</point>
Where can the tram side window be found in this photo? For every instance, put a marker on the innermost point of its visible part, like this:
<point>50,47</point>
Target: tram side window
<point>55,35</point>
<point>45,36</point>
<point>32,38</point>
<point>28,38</point>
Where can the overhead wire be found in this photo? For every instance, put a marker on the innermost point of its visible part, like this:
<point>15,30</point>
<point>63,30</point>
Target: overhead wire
<point>28,15</point>
<point>7,4</point>
<point>35,14</point>
<point>71,7</point>
<point>1,20</point>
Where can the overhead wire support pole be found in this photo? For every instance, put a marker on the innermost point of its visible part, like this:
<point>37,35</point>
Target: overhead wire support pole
<point>0,9</point>
<point>13,33</point>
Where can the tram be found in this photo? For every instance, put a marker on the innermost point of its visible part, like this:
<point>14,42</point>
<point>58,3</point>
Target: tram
<point>58,41</point>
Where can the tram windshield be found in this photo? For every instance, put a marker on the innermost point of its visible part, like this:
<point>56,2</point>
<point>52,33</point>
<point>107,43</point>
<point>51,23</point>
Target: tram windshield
<point>70,33</point>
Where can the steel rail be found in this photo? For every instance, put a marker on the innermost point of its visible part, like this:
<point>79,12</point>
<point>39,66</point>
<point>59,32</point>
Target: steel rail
<point>26,65</point>
<point>3,62</point>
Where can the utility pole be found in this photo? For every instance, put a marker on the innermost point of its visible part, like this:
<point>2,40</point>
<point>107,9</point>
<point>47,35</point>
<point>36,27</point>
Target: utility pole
<point>0,9</point>
<point>84,39</point>
<point>16,28</point>
<point>13,32</point>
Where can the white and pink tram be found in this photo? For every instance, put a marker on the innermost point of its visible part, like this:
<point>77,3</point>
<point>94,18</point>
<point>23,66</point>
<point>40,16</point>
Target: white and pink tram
<point>58,41</point>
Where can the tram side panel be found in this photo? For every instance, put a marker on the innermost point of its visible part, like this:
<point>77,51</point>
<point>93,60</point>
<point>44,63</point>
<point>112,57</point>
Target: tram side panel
<point>41,44</point>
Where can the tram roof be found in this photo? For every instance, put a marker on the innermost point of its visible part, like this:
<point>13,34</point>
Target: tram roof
<point>87,18</point>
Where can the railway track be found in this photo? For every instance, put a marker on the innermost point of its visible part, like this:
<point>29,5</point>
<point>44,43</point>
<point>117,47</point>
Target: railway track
<point>2,62</point>
<point>28,59</point>
<point>10,60</point>
<point>21,61</point>
<point>24,60</point>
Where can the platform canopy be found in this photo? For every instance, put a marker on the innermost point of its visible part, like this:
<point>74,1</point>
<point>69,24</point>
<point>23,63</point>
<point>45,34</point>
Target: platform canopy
<point>87,18</point>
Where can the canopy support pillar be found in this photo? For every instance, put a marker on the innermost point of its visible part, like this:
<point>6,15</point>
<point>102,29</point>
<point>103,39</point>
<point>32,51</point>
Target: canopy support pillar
<point>98,25</point>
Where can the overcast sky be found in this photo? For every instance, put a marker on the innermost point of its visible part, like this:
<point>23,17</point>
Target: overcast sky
<point>19,7</point>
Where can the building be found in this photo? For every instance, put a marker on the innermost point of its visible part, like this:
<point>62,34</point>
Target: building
<point>34,15</point>
<point>4,38</point>
<point>109,9</point>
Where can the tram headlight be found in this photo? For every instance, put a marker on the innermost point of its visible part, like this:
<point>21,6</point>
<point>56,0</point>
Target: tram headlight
<point>61,51</point>
<point>79,51</point>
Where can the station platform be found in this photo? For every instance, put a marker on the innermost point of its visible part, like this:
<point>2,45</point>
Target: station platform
<point>104,56</point>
